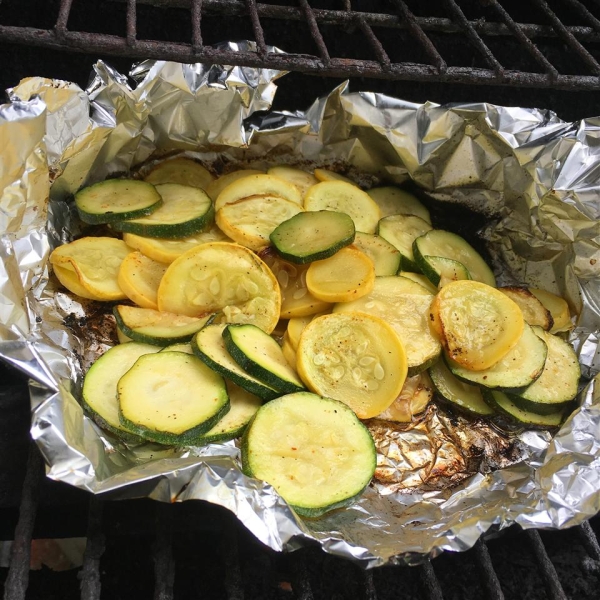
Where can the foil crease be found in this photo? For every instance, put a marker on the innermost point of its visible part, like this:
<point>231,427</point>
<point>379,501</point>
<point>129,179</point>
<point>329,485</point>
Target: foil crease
<point>534,175</point>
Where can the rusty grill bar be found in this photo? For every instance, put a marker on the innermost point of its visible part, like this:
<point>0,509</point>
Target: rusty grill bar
<point>582,40</point>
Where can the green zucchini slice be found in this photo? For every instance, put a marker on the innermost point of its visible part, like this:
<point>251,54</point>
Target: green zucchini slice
<point>404,304</point>
<point>505,404</point>
<point>441,270</point>
<point>185,171</point>
<point>116,199</point>
<point>208,345</point>
<point>313,450</point>
<point>401,231</point>
<point>560,378</point>
<point>385,257</point>
<point>394,201</point>
<point>261,356</point>
<point>185,211</point>
<point>438,242</point>
<point>462,396</point>
<point>150,326</point>
<point>100,386</point>
<point>313,235</point>
<point>171,398</point>
<point>517,369</point>
<point>243,407</point>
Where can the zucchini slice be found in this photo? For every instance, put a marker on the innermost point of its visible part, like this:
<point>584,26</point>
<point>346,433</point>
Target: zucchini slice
<point>251,221</point>
<point>261,356</point>
<point>181,170</point>
<point>171,398</point>
<point>355,358</point>
<point>534,312</point>
<point>519,368</point>
<point>208,345</point>
<point>92,263</point>
<point>421,280</point>
<point>222,277</point>
<point>401,231</point>
<point>478,325</point>
<point>457,394</point>
<point>314,451</point>
<point>394,201</point>
<point>504,404</point>
<point>149,326</point>
<point>100,386</point>
<point>139,278</point>
<point>258,185</point>
<point>558,307</point>
<point>243,406</point>
<point>438,242</point>
<point>560,378</point>
<point>185,211</point>
<point>343,197</point>
<point>440,270</point>
<point>312,235</point>
<point>416,394</point>
<point>116,199</point>
<point>347,275</point>
<point>385,257</point>
<point>166,251</point>
<point>404,304</point>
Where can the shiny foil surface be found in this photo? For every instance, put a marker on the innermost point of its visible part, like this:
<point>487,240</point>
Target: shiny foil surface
<point>442,481</point>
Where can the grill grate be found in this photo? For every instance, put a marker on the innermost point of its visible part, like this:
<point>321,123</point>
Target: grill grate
<point>555,49</point>
<point>250,571</point>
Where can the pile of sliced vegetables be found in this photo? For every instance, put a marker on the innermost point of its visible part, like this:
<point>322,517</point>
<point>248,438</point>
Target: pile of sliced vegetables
<point>375,311</point>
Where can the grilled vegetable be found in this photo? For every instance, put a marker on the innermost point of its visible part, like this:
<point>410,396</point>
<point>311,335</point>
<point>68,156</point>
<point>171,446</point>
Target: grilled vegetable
<point>301,179</point>
<point>100,386</point>
<point>440,270</point>
<point>208,345</point>
<point>258,185</point>
<point>116,199</point>
<point>312,235</point>
<point>477,324</point>
<point>355,358</point>
<point>394,201</point>
<point>385,257</point>
<point>181,170</point>
<point>401,231</point>
<point>314,451</point>
<point>534,312</point>
<point>139,278</point>
<point>215,187</point>
<point>185,211</point>
<point>261,356</point>
<point>404,304</point>
<point>413,399</point>
<point>505,404</point>
<point>438,242</point>
<point>558,307</point>
<point>171,398</point>
<point>150,326</point>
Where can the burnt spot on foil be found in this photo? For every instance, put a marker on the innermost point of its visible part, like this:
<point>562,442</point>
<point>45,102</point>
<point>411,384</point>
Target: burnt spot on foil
<point>438,451</point>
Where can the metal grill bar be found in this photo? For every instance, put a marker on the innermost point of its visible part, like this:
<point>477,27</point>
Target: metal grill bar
<point>568,37</point>
<point>375,44</point>
<point>17,579</point>
<point>584,12</point>
<point>552,583</point>
<point>131,22</point>
<point>90,572</point>
<point>256,26</point>
<point>490,578</point>
<point>314,31</point>
<point>429,582</point>
<point>418,33</point>
<point>63,17</point>
<point>196,10</point>
<point>517,31</point>
<point>590,541</point>
<point>164,565</point>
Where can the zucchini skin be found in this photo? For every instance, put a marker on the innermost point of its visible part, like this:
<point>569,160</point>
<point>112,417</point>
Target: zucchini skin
<point>255,369</point>
<point>129,437</point>
<point>167,231</point>
<point>190,437</point>
<point>529,419</point>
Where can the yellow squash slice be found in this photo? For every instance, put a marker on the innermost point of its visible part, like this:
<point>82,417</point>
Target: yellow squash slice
<point>251,221</point>
<point>222,277</point>
<point>327,175</point>
<point>347,275</point>
<point>90,266</point>
<point>347,198</point>
<point>184,171</point>
<point>139,278</point>
<point>479,325</point>
<point>258,185</point>
<point>416,393</point>
<point>218,185</point>
<point>558,307</point>
<point>301,179</point>
<point>355,358</point>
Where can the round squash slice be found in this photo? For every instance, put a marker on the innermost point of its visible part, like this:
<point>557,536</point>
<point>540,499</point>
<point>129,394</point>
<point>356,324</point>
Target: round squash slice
<point>222,277</point>
<point>355,358</point>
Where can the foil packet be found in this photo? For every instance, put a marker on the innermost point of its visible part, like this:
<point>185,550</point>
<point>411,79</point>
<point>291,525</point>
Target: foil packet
<point>535,176</point>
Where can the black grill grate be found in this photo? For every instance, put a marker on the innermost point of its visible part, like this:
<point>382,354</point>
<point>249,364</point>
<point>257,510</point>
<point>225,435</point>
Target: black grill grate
<point>497,48</point>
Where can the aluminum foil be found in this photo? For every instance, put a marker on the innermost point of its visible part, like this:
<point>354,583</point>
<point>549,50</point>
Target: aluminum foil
<point>535,176</point>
